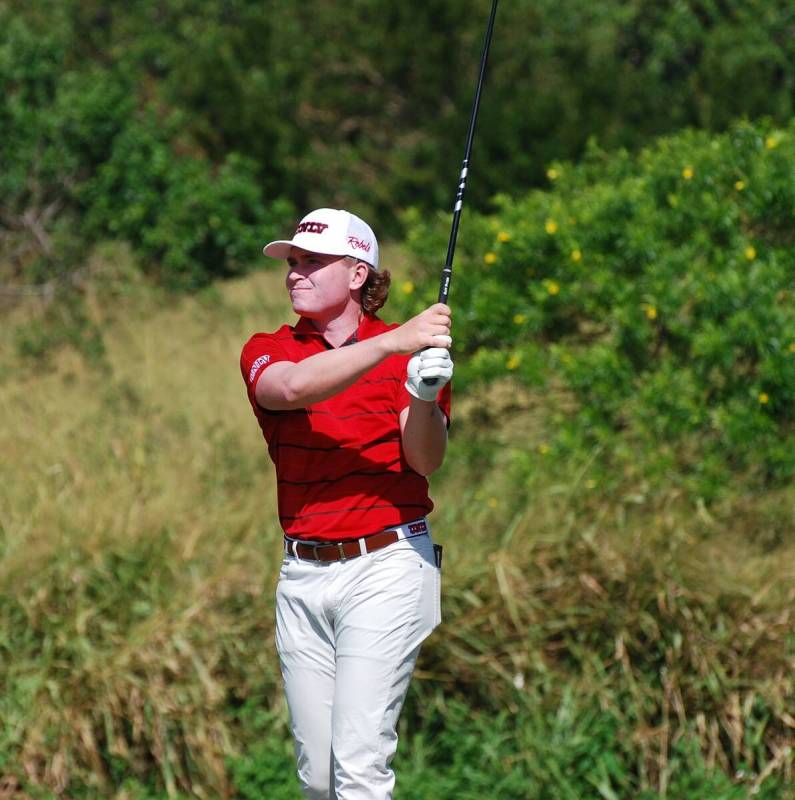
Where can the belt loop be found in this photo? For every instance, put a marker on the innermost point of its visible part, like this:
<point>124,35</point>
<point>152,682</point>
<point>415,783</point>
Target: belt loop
<point>293,545</point>
<point>362,547</point>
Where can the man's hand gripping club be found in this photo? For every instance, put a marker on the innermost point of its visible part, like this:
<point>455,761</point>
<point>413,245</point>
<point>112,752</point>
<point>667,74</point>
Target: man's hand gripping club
<point>433,364</point>
<point>431,367</point>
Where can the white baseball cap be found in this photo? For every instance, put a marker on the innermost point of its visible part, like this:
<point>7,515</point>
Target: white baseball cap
<point>333,232</point>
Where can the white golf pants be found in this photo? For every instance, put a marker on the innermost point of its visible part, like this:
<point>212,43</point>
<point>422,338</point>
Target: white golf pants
<point>348,634</point>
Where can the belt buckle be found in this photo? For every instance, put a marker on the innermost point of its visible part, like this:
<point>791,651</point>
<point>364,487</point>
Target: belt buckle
<point>326,546</point>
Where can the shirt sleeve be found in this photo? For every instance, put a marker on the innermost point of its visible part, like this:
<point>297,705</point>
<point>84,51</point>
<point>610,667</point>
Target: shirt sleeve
<point>259,352</point>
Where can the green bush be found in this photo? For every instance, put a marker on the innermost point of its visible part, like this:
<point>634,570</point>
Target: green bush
<point>366,105</point>
<point>656,289</point>
<point>86,158</point>
<point>189,222</point>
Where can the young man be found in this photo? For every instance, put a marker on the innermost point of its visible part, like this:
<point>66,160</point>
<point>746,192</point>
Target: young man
<point>353,429</point>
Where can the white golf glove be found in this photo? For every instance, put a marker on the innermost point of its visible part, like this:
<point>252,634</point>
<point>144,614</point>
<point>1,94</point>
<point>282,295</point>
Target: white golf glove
<point>433,362</point>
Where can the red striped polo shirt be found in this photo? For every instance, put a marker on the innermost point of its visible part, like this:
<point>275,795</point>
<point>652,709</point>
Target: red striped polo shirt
<point>340,469</point>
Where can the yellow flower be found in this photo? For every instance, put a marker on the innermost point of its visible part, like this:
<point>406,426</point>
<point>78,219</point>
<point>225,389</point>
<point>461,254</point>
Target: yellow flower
<point>552,287</point>
<point>490,258</point>
<point>550,226</point>
<point>504,236</point>
<point>590,483</point>
<point>576,255</point>
<point>651,312</point>
<point>407,287</point>
<point>513,362</point>
<point>687,173</point>
<point>552,173</point>
<point>739,185</point>
<point>519,319</point>
<point>764,398</point>
<point>792,347</point>
<point>750,252</point>
<point>771,142</point>
<point>543,448</point>
<point>493,502</point>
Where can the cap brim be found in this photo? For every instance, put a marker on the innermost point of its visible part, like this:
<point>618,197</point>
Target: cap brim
<point>280,249</point>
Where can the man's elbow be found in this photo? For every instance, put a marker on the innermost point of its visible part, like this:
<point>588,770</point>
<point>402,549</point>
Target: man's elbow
<point>283,394</point>
<point>292,395</point>
<point>426,464</point>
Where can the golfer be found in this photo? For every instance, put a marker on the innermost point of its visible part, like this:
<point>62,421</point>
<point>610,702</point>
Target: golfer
<point>353,431</point>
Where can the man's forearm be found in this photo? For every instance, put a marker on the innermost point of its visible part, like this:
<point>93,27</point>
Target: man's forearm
<point>424,436</point>
<point>297,385</point>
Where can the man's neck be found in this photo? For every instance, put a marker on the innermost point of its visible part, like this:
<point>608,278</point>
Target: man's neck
<point>338,330</point>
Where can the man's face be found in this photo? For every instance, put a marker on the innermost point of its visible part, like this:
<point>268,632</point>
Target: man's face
<point>320,285</point>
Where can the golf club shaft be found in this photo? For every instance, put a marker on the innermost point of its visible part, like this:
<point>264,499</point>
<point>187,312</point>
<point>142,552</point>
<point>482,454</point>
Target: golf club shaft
<point>447,271</point>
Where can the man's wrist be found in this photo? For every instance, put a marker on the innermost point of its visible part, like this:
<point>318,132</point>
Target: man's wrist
<point>427,408</point>
<point>386,343</point>
<point>416,389</point>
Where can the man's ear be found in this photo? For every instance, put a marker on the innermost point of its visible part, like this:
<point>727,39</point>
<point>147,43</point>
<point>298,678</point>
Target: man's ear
<point>359,275</point>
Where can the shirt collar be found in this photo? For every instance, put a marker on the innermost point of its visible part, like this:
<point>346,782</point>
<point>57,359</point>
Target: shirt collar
<point>305,328</point>
<point>369,326</point>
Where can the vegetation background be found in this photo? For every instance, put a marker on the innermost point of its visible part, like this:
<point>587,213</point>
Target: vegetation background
<point>617,506</point>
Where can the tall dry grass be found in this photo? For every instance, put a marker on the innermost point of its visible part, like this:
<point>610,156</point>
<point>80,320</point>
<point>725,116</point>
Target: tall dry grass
<point>139,540</point>
<point>140,547</point>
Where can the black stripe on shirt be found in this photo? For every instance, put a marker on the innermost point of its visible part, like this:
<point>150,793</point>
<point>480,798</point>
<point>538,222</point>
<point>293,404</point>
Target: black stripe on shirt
<point>359,447</point>
<point>356,508</point>
<point>315,412</point>
<point>380,380</point>
<point>285,482</point>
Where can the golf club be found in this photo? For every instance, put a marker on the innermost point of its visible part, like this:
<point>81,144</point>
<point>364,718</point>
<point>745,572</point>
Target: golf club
<point>447,271</point>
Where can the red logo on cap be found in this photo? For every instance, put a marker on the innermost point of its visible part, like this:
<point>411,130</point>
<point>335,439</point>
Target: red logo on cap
<point>312,227</point>
<point>356,242</point>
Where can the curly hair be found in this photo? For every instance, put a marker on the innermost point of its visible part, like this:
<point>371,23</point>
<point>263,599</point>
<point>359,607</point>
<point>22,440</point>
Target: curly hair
<point>375,289</point>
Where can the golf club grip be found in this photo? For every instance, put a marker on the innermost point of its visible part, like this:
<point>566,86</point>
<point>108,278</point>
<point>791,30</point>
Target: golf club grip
<point>444,290</point>
<point>430,381</point>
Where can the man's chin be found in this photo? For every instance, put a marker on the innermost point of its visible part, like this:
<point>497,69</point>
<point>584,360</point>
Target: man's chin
<point>303,311</point>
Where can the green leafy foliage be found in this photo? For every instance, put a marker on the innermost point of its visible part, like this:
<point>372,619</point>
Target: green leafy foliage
<point>366,105</point>
<point>189,224</point>
<point>87,157</point>
<point>657,290</point>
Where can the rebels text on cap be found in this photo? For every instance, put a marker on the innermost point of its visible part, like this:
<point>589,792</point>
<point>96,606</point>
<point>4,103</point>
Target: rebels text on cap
<point>356,242</point>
